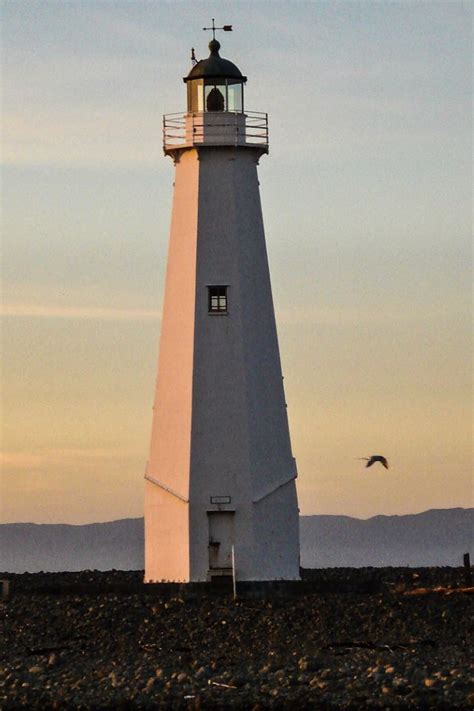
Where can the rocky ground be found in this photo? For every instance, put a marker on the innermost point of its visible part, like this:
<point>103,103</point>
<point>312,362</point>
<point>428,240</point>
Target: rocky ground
<point>360,639</point>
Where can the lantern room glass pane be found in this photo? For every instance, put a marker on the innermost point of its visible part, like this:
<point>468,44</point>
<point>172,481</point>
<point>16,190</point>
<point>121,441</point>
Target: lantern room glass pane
<point>195,97</point>
<point>234,97</point>
<point>214,97</point>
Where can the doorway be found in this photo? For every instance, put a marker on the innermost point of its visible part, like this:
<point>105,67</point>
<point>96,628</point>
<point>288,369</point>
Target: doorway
<point>221,539</point>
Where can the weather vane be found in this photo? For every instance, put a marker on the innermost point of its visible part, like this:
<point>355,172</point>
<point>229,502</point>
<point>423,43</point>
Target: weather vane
<point>226,28</point>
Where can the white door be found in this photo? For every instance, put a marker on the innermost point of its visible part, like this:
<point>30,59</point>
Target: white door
<point>221,538</point>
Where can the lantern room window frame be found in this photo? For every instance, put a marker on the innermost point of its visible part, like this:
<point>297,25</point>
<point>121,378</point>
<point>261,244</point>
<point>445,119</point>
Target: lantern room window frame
<point>228,87</point>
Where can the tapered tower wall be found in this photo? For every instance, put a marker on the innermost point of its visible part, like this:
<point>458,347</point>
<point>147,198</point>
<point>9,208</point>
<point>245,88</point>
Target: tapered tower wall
<point>220,425</point>
<point>168,469</point>
<point>240,445</point>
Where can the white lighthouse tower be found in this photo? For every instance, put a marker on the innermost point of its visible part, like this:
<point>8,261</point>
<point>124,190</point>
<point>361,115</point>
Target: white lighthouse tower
<point>220,480</point>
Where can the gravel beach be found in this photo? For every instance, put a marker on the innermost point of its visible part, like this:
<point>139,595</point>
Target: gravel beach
<point>364,638</point>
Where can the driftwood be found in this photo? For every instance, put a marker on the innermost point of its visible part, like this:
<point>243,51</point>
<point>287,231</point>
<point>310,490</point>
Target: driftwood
<point>221,685</point>
<point>378,645</point>
<point>45,650</point>
<point>151,647</point>
<point>439,591</point>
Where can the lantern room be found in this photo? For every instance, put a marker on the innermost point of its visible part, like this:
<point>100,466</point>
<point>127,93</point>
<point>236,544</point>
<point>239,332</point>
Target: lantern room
<point>215,84</point>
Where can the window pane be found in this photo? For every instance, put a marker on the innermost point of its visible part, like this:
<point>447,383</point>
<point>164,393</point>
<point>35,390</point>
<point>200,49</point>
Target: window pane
<point>214,97</point>
<point>234,94</point>
<point>200,96</point>
<point>217,298</point>
<point>195,91</point>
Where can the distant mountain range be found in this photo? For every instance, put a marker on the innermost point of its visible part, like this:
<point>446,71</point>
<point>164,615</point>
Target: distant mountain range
<point>434,538</point>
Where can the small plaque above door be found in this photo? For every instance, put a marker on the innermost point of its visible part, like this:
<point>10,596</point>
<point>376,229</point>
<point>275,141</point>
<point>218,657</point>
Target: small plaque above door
<point>221,499</point>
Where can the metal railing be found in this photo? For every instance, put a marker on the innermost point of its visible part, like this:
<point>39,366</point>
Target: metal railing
<point>226,128</point>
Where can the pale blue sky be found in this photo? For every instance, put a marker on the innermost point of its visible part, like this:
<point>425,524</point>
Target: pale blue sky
<point>367,206</point>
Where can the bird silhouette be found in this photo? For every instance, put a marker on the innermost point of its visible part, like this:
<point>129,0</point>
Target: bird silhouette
<point>375,458</point>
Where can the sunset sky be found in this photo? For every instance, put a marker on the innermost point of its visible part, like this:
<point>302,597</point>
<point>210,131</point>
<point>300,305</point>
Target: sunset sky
<point>367,205</point>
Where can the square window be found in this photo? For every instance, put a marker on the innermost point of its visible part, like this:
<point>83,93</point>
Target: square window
<point>217,302</point>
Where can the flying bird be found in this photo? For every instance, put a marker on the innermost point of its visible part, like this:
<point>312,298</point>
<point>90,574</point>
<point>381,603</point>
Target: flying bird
<point>375,458</point>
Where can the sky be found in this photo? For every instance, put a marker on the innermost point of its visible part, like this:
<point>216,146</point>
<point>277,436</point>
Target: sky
<point>366,196</point>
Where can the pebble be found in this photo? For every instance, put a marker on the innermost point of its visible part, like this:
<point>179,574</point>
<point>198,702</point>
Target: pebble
<point>203,673</point>
<point>150,683</point>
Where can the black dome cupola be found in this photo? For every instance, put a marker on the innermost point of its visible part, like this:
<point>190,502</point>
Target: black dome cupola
<point>215,84</point>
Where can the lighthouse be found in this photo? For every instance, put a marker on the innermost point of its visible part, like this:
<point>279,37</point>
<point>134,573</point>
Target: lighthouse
<point>220,492</point>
